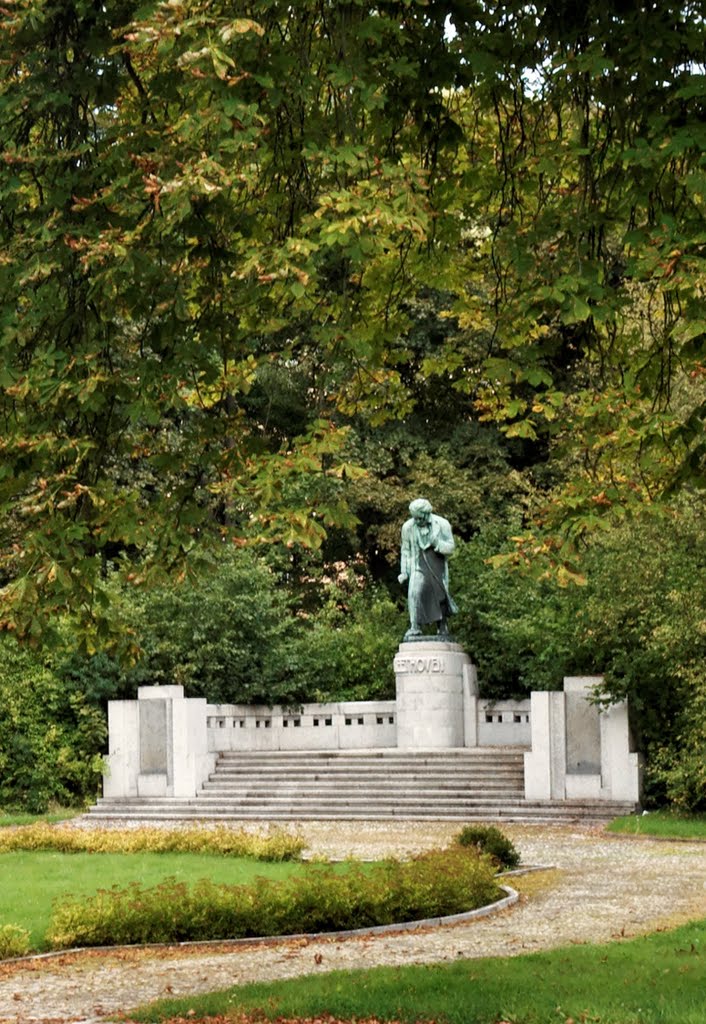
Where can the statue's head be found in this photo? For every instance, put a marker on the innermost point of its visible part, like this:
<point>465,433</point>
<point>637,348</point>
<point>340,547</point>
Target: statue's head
<point>420,509</point>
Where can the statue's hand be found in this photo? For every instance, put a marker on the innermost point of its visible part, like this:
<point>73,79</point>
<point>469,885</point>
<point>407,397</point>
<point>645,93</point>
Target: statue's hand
<point>402,578</point>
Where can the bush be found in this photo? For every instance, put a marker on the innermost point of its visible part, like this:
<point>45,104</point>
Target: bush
<point>640,620</point>
<point>50,737</point>
<point>221,636</point>
<point>432,885</point>
<point>345,651</point>
<point>516,627</point>
<point>490,840</point>
<point>14,941</point>
<point>681,767</point>
<point>277,845</point>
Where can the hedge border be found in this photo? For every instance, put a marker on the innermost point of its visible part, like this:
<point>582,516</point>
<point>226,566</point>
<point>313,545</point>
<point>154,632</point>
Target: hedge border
<point>511,897</point>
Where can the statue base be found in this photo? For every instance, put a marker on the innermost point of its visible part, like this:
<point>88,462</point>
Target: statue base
<point>431,638</point>
<point>434,680</point>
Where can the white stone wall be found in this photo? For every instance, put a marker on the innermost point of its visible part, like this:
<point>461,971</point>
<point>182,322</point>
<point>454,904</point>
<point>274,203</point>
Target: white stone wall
<point>353,725</point>
<point>504,723</point>
<point>336,726</point>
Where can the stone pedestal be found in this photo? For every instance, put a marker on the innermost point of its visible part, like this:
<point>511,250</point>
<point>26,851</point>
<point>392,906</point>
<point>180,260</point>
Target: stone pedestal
<point>434,679</point>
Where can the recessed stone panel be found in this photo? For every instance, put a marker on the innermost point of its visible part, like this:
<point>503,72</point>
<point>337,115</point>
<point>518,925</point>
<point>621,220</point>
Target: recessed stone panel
<point>583,736</point>
<point>153,737</point>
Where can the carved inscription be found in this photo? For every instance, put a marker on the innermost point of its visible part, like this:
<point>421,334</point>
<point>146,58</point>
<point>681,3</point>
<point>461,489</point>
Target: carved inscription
<point>410,666</point>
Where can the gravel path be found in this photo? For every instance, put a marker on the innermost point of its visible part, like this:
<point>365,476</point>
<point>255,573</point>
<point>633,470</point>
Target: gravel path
<point>604,888</point>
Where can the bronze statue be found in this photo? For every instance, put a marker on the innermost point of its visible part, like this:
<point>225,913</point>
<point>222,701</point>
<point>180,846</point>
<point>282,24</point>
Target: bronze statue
<point>426,542</point>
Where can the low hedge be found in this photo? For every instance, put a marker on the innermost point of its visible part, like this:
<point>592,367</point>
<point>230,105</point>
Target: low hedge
<point>434,884</point>
<point>276,845</point>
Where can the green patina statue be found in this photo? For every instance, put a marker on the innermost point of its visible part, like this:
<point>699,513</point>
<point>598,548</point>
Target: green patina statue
<point>426,542</point>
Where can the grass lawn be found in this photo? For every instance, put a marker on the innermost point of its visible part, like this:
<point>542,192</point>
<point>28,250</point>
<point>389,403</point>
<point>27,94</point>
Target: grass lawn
<point>52,817</point>
<point>668,824</point>
<point>660,979</point>
<point>31,881</point>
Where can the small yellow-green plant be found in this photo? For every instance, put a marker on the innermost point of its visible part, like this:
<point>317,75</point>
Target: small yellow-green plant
<point>14,941</point>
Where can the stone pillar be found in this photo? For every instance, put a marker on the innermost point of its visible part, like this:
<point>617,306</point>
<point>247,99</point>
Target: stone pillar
<point>157,744</point>
<point>583,740</point>
<point>123,760</point>
<point>431,677</point>
<point>580,751</point>
<point>545,763</point>
<point>470,706</point>
<point>621,767</point>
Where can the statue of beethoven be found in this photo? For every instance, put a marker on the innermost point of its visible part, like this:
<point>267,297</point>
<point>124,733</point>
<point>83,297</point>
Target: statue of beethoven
<point>426,542</point>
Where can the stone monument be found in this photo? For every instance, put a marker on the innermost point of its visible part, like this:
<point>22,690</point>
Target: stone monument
<point>433,674</point>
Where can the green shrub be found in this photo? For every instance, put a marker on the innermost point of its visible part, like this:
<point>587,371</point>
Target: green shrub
<point>276,845</point>
<point>681,770</point>
<point>434,884</point>
<point>490,840</point>
<point>14,941</point>
<point>345,650</point>
<point>50,736</point>
<point>222,636</point>
<point>638,620</point>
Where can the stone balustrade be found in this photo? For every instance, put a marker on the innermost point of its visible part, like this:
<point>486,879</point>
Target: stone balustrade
<point>346,725</point>
<point>350,725</point>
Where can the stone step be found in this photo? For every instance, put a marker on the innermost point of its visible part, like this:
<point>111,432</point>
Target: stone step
<point>318,792</point>
<point>363,758</point>
<point>369,771</point>
<point>342,773</point>
<point>272,761</point>
<point>510,812</point>
<point>328,792</point>
<point>275,803</point>
<point>380,752</point>
<point>319,802</point>
<point>462,784</point>
<point>410,778</point>
<point>455,780</point>
<point>428,798</point>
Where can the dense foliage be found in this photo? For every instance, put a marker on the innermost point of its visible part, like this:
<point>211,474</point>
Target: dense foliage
<point>223,638</point>
<point>197,206</point>
<point>51,735</point>
<point>639,619</point>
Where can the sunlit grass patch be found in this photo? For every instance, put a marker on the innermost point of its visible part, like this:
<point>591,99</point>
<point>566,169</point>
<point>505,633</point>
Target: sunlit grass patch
<point>667,824</point>
<point>658,979</point>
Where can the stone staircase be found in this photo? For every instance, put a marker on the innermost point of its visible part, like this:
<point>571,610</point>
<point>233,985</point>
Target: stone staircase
<point>470,784</point>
